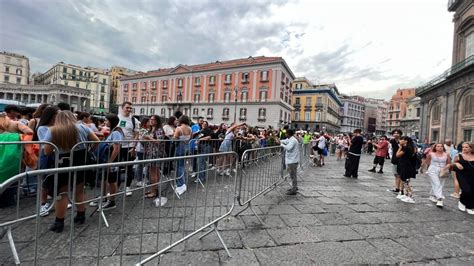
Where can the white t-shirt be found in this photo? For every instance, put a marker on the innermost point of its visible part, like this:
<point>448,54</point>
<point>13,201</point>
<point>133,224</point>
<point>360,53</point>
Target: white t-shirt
<point>322,142</point>
<point>129,132</point>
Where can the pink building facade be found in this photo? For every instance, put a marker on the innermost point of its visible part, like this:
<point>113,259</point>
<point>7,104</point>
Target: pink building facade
<point>255,90</point>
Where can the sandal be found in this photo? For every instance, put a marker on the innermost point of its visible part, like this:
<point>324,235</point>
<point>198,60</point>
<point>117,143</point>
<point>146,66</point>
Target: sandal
<point>150,195</point>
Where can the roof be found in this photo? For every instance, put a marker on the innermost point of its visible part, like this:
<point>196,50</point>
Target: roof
<point>319,90</point>
<point>210,66</point>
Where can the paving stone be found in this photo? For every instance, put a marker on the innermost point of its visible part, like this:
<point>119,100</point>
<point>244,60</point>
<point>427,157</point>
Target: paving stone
<point>239,257</point>
<point>431,247</point>
<point>271,221</point>
<point>292,235</point>
<point>326,253</point>
<point>311,209</point>
<point>362,208</point>
<point>332,218</point>
<point>367,253</point>
<point>395,250</point>
<point>283,255</point>
<point>334,232</point>
<point>279,209</point>
<point>190,258</point>
<point>293,220</point>
<point>212,242</point>
<point>331,200</point>
<point>256,238</point>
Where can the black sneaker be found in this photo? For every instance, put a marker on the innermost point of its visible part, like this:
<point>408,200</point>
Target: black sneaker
<point>79,219</point>
<point>57,227</point>
<point>394,190</point>
<point>109,205</point>
<point>380,172</point>
<point>291,192</point>
<point>348,176</point>
<point>372,170</point>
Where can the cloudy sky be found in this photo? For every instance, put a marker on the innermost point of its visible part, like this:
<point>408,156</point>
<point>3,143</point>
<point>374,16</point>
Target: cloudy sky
<point>366,47</point>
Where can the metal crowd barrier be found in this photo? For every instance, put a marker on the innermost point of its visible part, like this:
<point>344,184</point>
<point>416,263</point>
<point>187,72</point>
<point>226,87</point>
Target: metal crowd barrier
<point>24,180</point>
<point>157,225</point>
<point>262,171</point>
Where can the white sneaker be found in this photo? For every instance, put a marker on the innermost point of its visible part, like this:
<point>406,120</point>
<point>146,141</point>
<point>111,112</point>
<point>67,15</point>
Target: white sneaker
<point>140,184</point>
<point>44,210</point>
<point>128,192</point>
<point>95,203</point>
<point>461,206</point>
<point>439,203</point>
<point>433,199</point>
<point>401,196</point>
<point>470,211</point>
<point>180,190</point>
<point>69,205</point>
<point>408,199</point>
<point>160,201</point>
<point>227,172</point>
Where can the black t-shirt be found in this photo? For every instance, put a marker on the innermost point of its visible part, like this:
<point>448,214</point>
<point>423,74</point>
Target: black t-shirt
<point>206,132</point>
<point>356,145</point>
<point>395,147</point>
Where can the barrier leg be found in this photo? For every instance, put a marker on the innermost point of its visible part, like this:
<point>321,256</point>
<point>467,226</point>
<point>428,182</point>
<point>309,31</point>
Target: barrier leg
<point>99,209</point>
<point>12,246</point>
<point>214,229</point>
<point>249,206</point>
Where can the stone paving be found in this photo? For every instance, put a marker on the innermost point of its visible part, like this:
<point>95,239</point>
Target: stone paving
<point>333,220</point>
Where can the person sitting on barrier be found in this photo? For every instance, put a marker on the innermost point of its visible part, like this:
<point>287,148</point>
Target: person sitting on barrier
<point>182,134</point>
<point>155,151</point>
<point>292,158</point>
<point>109,156</point>
<point>65,134</point>
<point>226,146</point>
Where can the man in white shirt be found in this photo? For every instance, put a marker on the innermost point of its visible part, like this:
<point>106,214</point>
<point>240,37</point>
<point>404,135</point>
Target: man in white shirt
<point>292,158</point>
<point>130,127</point>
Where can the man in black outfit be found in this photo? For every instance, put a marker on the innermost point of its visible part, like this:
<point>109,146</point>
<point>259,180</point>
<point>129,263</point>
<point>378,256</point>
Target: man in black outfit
<point>353,157</point>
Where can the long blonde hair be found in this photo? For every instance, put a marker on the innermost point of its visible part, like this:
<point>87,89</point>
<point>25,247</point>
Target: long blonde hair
<point>64,132</point>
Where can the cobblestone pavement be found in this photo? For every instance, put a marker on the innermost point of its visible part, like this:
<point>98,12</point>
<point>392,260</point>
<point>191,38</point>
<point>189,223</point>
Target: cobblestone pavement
<point>333,219</point>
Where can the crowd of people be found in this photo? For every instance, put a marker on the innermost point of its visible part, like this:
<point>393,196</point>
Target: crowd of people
<point>123,137</point>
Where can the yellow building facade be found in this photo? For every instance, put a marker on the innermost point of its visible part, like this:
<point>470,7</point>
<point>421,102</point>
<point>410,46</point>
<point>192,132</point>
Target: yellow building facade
<point>316,107</point>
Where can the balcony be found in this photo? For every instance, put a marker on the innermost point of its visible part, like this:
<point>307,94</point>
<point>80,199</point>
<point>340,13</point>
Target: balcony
<point>319,106</point>
<point>245,81</point>
<point>225,117</point>
<point>209,116</point>
<point>468,62</point>
<point>242,117</point>
<point>227,82</point>
<point>261,118</point>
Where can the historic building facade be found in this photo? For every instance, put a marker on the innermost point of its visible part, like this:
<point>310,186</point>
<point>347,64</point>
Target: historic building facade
<point>353,113</point>
<point>410,123</point>
<point>78,98</point>
<point>381,125</point>
<point>96,80</point>
<point>316,107</point>
<point>116,73</point>
<point>447,102</point>
<point>255,90</point>
<point>398,107</point>
<point>14,68</point>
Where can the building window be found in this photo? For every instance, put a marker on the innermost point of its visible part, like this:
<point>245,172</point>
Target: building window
<point>467,135</point>
<point>435,136</point>
<point>436,113</point>
<point>125,87</point>
<point>318,116</point>
<point>153,84</point>
<point>262,112</point>
<point>134,86</point>
<point>7,69</point>
<point>243,114</point>
<point>102,98</point>
<point>164,98</point>
<point>195,112</point>
<point>152,111</point>
<point>469,104</point>
<point>134,99</point>
<point>197,81</point>
<point>418,112</point>
<point>144,86</point>
<point>307,116</point>
<point>7,79</point>
<point>263,96</point>
<point>469,44</point>
<point>319,100</point>
<point>102,89</point>
<point>227,97</point>
<point>210,113</point>
<point>125,99</point>
<point>297,101</point>
<point>143,99</point>
<point>197,97</point>
<point>142,111</point>
<point>211,97</point>
<point>180,83</point>
<point>297,116</point>
<point>163,112</point>
<point>77,84</point>
<point>212,80</point>
<point>308,101</point>
<point>245,77</point>
<point>228,78</point>
<point>18,80</point>
<point>264,75</point>
<point>165,84</point>
<point>104,81</point>
<point>244,96</point>
<point>225,113</point>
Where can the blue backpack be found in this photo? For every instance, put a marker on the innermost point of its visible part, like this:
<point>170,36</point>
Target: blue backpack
<point>102,152</point>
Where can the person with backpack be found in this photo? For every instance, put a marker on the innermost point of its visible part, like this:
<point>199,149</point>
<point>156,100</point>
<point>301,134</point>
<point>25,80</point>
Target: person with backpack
<point>129,126</point>
<point>109,152</point>
<point>65,134</point>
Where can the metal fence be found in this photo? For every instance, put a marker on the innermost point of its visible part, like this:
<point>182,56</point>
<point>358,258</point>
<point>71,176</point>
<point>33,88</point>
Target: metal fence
<point>158,224</point>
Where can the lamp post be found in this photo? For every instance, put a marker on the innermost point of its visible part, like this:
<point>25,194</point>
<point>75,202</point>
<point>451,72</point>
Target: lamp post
<point>235,104</point>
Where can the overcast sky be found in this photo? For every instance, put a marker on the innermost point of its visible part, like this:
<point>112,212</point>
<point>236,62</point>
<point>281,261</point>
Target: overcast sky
<point>366,47</point>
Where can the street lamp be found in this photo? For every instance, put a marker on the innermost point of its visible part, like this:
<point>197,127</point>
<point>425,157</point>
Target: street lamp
<point>235,103</point>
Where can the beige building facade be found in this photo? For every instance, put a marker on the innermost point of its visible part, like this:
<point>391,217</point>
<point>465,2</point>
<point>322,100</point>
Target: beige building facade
<point>447,102</point>
<point>95,80</point>
<point>117,73</point>
<point>14,68</point>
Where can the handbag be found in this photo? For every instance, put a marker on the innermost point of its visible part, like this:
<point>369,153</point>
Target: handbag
<point>443,172</point>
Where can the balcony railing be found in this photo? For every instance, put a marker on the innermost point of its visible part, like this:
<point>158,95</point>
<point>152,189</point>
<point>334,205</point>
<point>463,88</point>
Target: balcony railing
<point>451,71</point>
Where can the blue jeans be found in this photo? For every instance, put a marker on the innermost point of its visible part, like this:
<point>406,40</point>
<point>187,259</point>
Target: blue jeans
<point>139,169</point>
<point>204,149</point>
<point>182,149</point>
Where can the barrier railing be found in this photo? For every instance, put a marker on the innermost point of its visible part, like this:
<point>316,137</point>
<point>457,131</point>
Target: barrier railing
<point>22,181</point>
<point>157,226</point>
<point>267,174</point>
